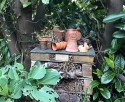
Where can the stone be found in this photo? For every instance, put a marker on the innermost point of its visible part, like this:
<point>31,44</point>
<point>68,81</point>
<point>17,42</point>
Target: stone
<point>87,70</point>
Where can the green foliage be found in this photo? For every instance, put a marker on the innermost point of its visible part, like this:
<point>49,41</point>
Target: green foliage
<point>83,14</point>
<point>105,93</point>
<point>16,82</point>
<point>107,77</point>
<point>114,17</point>
<point>119,35</point>
<point>26,4</point>
<point>109,86</point>
<point>45,1</point>
<point>5,57</point>
<point>2,5</point>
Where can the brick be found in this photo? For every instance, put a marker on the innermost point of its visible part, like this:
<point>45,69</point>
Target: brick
<point>60,57</point>
<point>87,70</point>
<point>83,59</point>
<point>87,86</point>
<point>40,57</point>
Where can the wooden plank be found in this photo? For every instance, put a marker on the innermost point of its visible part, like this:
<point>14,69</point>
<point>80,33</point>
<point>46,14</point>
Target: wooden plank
<point>40,57</point>
<point>83,59</point>
<point>59,57</point>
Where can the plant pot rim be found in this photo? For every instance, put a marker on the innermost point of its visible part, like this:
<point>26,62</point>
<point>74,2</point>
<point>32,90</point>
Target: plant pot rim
<point>45,39</point>
<point>72,29</point>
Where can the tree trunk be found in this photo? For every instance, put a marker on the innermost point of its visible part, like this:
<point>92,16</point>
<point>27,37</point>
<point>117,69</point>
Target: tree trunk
<point>115,6</point>
<point>25,30</point>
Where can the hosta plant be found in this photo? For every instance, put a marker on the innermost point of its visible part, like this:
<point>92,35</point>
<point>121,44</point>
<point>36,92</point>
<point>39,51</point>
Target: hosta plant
<point>17,83</point>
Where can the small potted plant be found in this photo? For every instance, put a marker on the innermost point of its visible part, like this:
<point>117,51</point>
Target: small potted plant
<point>44,38</point>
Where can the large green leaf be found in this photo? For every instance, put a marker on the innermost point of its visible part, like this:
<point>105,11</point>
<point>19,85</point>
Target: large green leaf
<point>4,90</point>
<point>45,1</point>
<point>120,26</point>
<point>3,81</point>
<point>2,99</point>
<point>119,86</point>
<point>13,74</point>
<point>105,93</point>
<point>45,94</point>
<point>19,66</point>
<point>114,44</point>
<point>119,62</point>
<point>51,78</point>
<point>27,89</point>
<point>95,95</point>
<point>17,92</point>
<point>6,69</point>
<point>0,72</point>
<point>113,17</point>
<point>107,77</point>
<point>94,84</point>
<point>117,100</point>
<point>109,62</point>
<point>37,72</point>
<point>119,34</point>
<point>2,4</point>
<point>26,4</point>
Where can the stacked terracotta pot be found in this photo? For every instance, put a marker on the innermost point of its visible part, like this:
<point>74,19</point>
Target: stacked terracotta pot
<point>64,41</point>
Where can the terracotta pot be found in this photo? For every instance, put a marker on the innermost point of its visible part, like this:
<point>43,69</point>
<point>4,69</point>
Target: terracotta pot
<point>59,45</point>
<point>44,38</point>
<point>49,44</point>
<point>45,42</point>
<point>56,46</point>
<point>59,34</point>
<point>43,45</point>
<point>63,44</point>
<point>72,45</point>
<point>72,33</point>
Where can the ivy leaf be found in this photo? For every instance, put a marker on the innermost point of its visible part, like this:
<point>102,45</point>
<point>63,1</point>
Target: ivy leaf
<point>51,78</point>
<point>113,17</point>
<point>107,77</point>
<point>26,4</point>
<point>105,93</point>
<point>37,72</point>
<point>109,62</point>
<point>119,34</point>
<point>94,84</point>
